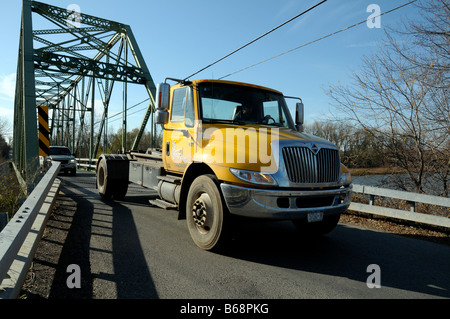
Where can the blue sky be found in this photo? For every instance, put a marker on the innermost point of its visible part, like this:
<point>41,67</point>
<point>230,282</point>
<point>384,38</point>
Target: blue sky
<point>179,37</point>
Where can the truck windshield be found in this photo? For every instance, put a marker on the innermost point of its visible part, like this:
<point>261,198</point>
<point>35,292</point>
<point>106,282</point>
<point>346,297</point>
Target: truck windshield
<point>59,151</point>
<point>229,103</point>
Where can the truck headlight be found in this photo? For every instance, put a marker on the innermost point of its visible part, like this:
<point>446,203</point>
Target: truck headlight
<point>73,160</point>
<point>253,177</point>
<point>346,179</point>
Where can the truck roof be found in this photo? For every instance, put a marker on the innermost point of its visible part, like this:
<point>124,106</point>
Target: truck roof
<point>235,83</point>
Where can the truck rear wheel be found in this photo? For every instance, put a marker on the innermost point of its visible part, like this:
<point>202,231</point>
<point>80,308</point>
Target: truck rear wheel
<point>206,214</point>
<point>109,187</point>
<point>102,181</point>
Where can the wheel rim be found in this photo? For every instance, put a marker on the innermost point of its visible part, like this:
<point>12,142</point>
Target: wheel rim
<point>202,213</point>
<point>101,177</point>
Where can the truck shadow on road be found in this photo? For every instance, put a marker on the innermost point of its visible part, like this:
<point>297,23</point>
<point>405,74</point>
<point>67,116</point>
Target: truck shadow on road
<point>131,274</point>
<point>407,264</point>
<point>101,238</point>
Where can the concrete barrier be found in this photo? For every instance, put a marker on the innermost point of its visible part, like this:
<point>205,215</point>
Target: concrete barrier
<point>19,239</point>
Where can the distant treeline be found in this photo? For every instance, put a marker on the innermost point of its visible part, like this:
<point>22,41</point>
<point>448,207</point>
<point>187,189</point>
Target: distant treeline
<point>359,149</point>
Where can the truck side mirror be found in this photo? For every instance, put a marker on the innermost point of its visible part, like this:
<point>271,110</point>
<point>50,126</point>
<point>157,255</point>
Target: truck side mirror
<point>162,96</point>
<point>162,117</point>
<point>299,116</point>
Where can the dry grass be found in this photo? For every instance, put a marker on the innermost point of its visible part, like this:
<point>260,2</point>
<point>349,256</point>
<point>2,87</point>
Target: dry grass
<point>401,227</point>
<point>10,191</point>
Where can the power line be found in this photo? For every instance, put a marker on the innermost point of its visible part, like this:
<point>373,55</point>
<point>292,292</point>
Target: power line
<point>319,39</point>
<point>140,110</point>
<point>245,45</point>
<point>131,107</point>
<point>276,56</point>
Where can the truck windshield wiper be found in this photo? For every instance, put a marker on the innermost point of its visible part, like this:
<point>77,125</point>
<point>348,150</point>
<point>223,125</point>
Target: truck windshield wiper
<point>224,121</point>
<point>274,124</point>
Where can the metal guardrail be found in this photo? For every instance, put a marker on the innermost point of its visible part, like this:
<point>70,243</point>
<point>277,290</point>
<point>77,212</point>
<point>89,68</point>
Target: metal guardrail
<point>19,238</point>
<point>411,198</point>
<point>87,163</point>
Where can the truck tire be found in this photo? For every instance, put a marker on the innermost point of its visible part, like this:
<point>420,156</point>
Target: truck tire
<point>318,228</point>
<point>109,187</point>
<point>206,213</point>
<point>119,189</point>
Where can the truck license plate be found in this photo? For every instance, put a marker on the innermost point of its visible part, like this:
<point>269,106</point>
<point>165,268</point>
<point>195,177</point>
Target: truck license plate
<point>315,217</point>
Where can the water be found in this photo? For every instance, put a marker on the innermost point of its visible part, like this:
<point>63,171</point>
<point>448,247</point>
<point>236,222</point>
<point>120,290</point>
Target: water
<point>371,180</point>
<point>432,185</point>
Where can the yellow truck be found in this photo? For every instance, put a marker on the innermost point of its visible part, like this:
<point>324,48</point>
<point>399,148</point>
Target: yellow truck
<point>232,149</point>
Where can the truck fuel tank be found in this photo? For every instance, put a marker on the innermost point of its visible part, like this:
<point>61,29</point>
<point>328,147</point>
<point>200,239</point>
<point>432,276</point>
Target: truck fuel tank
<point>169,191</point>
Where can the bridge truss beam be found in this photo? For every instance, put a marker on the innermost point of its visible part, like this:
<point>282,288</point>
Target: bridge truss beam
<point>64,66</point>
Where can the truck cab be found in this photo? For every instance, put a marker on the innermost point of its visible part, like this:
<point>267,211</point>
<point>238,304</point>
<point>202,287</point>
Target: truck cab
<point>233,149</point>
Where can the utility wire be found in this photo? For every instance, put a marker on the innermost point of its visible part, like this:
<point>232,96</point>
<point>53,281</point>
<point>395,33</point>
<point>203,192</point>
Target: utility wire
<point>245,45</point>
<point>276,56</point>
<point>319,39</point>
<point>129,108</point>
<point>135,112</point>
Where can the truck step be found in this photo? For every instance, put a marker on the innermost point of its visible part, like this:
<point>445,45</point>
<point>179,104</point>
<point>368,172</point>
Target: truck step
<point>163,204</point>
<point>170,179</point>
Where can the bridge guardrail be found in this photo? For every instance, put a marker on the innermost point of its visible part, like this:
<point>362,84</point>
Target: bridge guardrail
<point>19,238</point>
<point>87,163</point>
<point>411,198</point>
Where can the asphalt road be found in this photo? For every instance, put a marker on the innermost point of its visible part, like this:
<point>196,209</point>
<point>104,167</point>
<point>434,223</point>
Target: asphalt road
<point>129,249</point>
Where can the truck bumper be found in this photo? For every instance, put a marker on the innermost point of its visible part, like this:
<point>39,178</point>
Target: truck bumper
<point>69,167</point>
<point>285,204</point>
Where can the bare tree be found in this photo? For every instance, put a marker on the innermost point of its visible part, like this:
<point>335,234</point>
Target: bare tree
<point>433,37</point>
<point>358,148</point>
<point>5,127</point>
<point>401,97</point>
<point>4,146</point>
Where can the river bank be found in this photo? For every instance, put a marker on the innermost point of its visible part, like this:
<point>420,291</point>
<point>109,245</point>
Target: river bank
<point>376,171</point>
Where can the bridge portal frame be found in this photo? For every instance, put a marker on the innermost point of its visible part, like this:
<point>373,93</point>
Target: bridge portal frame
<point>63,67</point>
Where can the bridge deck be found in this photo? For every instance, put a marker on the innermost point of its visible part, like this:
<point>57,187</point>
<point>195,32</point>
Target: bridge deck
<point>128,249</point>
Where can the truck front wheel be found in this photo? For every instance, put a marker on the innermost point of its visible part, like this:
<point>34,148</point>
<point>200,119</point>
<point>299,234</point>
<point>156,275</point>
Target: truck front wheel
<point>206,214</point>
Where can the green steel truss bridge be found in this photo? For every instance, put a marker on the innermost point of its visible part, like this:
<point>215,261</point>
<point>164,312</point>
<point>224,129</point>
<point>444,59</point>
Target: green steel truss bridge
<point>62,69</point>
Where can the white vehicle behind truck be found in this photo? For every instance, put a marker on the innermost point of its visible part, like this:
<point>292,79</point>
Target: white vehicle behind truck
<point>63,155</point>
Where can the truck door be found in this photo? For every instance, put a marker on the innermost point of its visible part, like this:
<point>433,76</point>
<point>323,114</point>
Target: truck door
<point>178,146</point>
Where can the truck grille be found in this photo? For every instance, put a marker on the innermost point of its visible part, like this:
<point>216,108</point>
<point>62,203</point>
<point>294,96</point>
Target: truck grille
<point>303,166</point>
